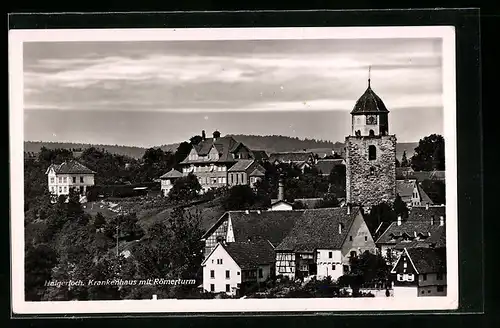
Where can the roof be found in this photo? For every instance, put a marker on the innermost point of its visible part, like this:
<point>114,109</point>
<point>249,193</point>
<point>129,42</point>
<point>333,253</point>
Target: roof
<point>405,188</point>
<point>259,155</point>
<point>369,102</point>
<point>418,233</point>
<point>266,225</point>
<point>171,174</point>
<point>249,255</point>
<point>319,228</point>
<point>224,145</point>
<point>403,172</point>
<point>424,198</point>
<point>422,213</point>
<point>428,175</point>
<point>70,167</point>
<point>326,165</point>
<point>241,165</point>
<point>258,172</point>
<point>428,260</point>
<point>290,156</point>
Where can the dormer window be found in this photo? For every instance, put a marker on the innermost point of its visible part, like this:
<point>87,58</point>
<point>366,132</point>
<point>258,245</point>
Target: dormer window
<point>372,152</point>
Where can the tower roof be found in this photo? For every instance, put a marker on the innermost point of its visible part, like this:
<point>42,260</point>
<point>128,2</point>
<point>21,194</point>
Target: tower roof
<point>369,103</point>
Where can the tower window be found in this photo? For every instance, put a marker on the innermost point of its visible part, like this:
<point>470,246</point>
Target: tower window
<point>372,153</point>
<point>371,133</point>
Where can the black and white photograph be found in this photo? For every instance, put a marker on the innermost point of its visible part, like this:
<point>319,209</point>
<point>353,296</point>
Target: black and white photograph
<point>233,169</point>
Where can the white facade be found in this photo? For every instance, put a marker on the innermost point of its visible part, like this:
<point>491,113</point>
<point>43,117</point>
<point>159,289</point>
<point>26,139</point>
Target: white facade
<point>166,185</point>
<point>60,184</point>
<point>365,123</point>
<point>221,273</point>
<point>329,263</point>
<point>281,206</point>
<point>359,240</point>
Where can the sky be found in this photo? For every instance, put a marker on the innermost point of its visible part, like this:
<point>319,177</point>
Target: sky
<point>160,92</point>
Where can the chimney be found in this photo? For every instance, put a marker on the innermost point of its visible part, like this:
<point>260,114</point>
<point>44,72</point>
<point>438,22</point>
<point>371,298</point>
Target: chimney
<point>216,135</point>
<point>441,220</point>
<point>399,220</point>
<point>203,135</point>
<point>340,228</point>
<point>281,190</point>
<point>427,206</point>
<point>348,209</point>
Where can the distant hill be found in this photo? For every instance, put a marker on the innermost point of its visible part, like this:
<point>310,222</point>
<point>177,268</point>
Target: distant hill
<point>271,144</point>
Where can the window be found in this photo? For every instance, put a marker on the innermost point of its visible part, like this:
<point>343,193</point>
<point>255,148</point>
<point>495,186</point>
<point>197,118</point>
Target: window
<point>400,277</point>
<point>51,180</point>
<point>212,274</point>
<point>74,179</point>
<point>440,289</point>
<point>350,238</point>
<point>65,179</point>
<point>60,189</point>
<point>345,268</point>
<point>371,133</point>
<point>330,255</point>
<point>228,274</point>
<point>372,153</point>
<point>212,287</point>
<point>439,276</point>
<point>366,238</point>
<point>228,288</point>
<point>65,189</point>
<point>238,273</point>
<point>423,292</point>
<point>429,291</point>
<point>224,180</point>
<point>219,261</point>
<point>60,179</point>
<point>319,254</point>
<point>333,267</point>
<point>261,273</point>
<point>81,179</point>
<point>353,254</point>
<point>424,276</point>
<point>212,260</point>
<point>372,170</point>
<point>404,265</point>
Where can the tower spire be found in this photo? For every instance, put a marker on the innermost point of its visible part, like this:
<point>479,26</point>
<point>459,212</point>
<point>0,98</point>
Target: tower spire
<point>369,74</point>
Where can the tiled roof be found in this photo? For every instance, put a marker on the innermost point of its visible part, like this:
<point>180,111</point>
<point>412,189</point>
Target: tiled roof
<point>427,175</point>
<point>290,156</point>
<point>422,233</point>
<point>224,146</point>
<point>249,255</point>
<point>171,174</point>
<point>258,172</point>
<point>425,199</point>
<point>405,188</point>
<point>327,165</point>
<point>241,165</point>
<point>268,225</point>
<point>259,155</point>
<point>369,102</point>
<point>70,167</point>
<point>428,260</point>
<point>319,228</point>
<point>422,213</point>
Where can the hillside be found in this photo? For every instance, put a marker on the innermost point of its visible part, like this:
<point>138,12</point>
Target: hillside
<point>270,144</point>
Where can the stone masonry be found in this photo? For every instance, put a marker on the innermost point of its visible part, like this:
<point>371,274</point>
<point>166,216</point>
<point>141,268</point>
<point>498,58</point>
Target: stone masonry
<point>370,182</point>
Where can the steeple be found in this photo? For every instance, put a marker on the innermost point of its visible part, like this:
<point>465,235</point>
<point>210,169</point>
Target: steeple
<point>369,74</point>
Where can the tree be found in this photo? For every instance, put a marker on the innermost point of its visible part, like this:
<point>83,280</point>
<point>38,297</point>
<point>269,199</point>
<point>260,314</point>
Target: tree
<point>337,180</point>
<point>194,140</point>
<point>398,164</point>
<point>404,160</point>
<point>380,213</point>
<point>38,262</point>
<point>400,207</point>
<point>185,188</point>
<point>330,200</point>
<point>182,152</point>
<point>429,154</point>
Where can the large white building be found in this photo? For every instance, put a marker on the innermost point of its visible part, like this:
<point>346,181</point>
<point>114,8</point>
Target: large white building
<point>69,175</point>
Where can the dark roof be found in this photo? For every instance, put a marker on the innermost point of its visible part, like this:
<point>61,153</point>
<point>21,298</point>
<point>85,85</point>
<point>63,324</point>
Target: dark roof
<point>241,165</point>
<point>422,213</point>
<point>70,167</point>
<point>224,145</point>
<point>425,199</point>
<point>291,156</point>
<point>405,188</point>
<point>428,260</point>
<point>369,102</point>
<point>259,155</point>
<point>319,228</point>
<point>249,255</point>
<point>326,165</point>
<point>418,233</point>
<point>171,174</point>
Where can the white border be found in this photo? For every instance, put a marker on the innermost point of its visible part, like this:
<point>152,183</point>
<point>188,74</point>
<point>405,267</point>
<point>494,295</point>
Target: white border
<point>19,306</point>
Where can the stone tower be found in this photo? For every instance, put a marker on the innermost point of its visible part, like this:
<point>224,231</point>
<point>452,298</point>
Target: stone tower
<point>370,153</point>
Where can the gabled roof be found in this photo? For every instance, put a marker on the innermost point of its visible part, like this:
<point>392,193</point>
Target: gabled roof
<point>423,213</point>
<point>259,155</point>
<point>291,156</point>
<point>326,165</point>
<point>428,260</point>
<point>241,165</point>
<point>369,103</point>
<point>405,188</point>
<point>249,255</point>
<point>224,145</point>
<point>395,233</point>
<point>258,172</point>
<point>171,174</point>
<point>70,167</point>
<point>319,228</point>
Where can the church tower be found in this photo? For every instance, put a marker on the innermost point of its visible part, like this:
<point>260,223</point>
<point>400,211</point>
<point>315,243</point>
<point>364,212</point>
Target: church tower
<point>370,153</point>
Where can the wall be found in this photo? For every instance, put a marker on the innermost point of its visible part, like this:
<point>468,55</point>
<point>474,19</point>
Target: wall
<point>220,231</point>
<point>358,231</point>
<point>266,272</point>
<point>359,123</point>
<point>405,291</point>
<point>237,178</point>
<point>285,264</point>
<point>431,280</point>
<point>281,207</point>
<point>205,172</point>
<point>324,263</point>
<point>431,291</point>
<point>67,182</point>
<point>363,187</point>
<point>220,279</point>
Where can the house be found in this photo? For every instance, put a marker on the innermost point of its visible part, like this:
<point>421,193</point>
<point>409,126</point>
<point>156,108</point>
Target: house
<point>322,242</point>
<point>412,193</point>
<point>403,173</point>
<point>210,159</point>
<point>168,179</point>
<point>240,226</point>
<point>424,228</point>
<point>70,175</point>
<point>302,159</point>
<point>280,204</point>
<point>231,266</point>
<point>325,166</point>
<point>245,172</point>
<point>420,272</point>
